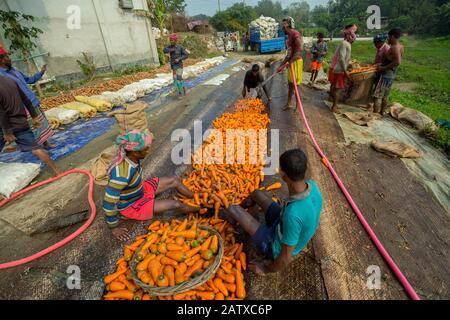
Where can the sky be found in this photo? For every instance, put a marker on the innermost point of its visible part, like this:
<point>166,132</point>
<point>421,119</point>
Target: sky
<point>209,7</point>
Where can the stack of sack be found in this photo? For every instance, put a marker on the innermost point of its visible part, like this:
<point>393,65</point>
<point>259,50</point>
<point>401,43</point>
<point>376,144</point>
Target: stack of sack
<point>268,27</point>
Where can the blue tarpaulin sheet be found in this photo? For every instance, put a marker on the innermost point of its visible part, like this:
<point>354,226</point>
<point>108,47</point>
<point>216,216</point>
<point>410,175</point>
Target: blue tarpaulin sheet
<point>79,133</point>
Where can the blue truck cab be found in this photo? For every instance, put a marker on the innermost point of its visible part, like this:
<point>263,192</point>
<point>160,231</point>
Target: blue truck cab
<point>267,46</point>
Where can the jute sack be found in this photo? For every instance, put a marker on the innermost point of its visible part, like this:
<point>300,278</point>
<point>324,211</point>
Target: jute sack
<point>132,117</point>
<point>100,168</point>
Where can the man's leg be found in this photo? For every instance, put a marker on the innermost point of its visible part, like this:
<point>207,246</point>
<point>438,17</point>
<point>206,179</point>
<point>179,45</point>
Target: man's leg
<point>166,183</point>
<point>43,155</point>
<point>334,96</point>
<point>245,219</point>
<point>384,105</point>
<point>259,198</point>
<point>290,94</point>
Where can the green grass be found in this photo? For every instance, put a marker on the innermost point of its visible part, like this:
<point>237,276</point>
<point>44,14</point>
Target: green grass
<point>426,64</point>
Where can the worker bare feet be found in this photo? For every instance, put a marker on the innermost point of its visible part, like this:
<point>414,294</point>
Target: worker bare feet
<point>121,234</point>
<point>49,146</point>
<point>335,110</point>
<point>287,107</point>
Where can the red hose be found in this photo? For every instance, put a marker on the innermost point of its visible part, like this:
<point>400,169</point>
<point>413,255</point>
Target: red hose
<point>395,269</point>
<point>65,240</point>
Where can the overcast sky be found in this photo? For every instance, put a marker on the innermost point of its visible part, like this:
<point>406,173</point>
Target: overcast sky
<point>209,7</point>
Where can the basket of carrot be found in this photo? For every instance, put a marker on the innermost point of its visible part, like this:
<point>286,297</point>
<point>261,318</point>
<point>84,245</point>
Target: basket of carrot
<point>363,73</point>
<point>174,259</point>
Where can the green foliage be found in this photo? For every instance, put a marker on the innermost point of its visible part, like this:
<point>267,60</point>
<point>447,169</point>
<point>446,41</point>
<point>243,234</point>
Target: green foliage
<point>235,18</point>
<point>87,66</point>
<point>196,46</point>
<point>22,37</point>
<point>300,12</point>
<point>269,8</point>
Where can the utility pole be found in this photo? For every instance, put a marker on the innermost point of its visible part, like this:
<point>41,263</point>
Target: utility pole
<point>218,2</point>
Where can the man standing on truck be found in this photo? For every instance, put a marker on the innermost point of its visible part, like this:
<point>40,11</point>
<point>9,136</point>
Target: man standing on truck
<point>294,57</point>
<point>177,55</point>
<point>253,79</point>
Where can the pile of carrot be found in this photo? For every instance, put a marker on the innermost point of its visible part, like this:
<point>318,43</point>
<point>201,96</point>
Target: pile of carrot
<point>363,69</point>
<point>218,183</point>
<point>176,251</point>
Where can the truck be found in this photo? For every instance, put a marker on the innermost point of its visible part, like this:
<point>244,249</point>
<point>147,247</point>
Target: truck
<point>267,46</point>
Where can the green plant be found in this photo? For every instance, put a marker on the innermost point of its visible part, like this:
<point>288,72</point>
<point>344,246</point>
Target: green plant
<point>87,65</point>
<point>196,46</point>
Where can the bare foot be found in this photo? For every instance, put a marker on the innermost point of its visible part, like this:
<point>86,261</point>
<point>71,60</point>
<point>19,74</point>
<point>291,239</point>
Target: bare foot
<point>335,109</point>
<point>287,107</point>
<point>121,234</point>
<point>49,146</point>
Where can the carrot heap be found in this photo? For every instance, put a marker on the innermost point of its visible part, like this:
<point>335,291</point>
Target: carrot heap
<point>219,182</point>
<point>176,251</point>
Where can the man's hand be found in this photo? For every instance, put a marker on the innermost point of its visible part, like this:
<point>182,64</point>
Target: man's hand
<point>9,138</point>
<point>121,234</point>
<point>257,268</point>
<point>177,60</point>
<point>270,99</point>
<point>44,68</point>
<point>36,123</point>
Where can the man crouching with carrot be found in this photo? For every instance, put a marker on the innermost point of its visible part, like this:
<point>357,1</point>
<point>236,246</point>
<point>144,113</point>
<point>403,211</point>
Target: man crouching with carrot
<point>289,227</point>
<point>127,195</point>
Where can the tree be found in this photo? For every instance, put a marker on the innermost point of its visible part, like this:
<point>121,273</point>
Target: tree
<point>235,18</point>
<point>269,8</point>
<point>22,38</point>
<point>300,12</point>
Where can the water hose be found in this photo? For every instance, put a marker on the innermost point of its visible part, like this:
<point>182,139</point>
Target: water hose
<point>68,238</point>
<point>395,269</point>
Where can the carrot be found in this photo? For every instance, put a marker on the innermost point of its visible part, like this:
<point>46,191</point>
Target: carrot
<point>111,277</point>
<point>214,244</point>
<point>240,288</point>
<point>169,272</point>
<point>179,276</point>
<point>219,296</point>
<point>146,297</point>
<point>225,277</point>
<point>206,244</point>
<point>205,197</point>
<point>145,277</point>
<point>193,252</point>
<point>162,281</point>
<point>216,209</point>
<point>143,265</point>
<point>154,267</point>
<point>207,254</point>
<point>179,241</point>
<point>274,186</point>
<point>178,256</point>
<point>212,286</point>
<point>116,286</point>
<point>189,234</point>
<point>182,226</point>
<point>168,261</point>
<point>219,285</point>
<point>182,267</point>
<point>192,260</point>
<point>230,287</point>
<point>127,253</point>
<point>208,295</point>
<point>122,294</point>
<point>154,224</point>
<point>175,247</point>
<point>130,285</point>
<point>238,251</point>
<point>195,267</point>
<point>197,198</point>
<point>243,260</point>
<point>162,248</point>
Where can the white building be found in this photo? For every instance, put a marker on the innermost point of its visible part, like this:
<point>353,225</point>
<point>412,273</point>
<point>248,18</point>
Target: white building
<point>115,32</point>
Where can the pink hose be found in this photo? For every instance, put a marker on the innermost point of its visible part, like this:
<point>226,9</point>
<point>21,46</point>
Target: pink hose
<point>65,240</point>
<point>400,276</point>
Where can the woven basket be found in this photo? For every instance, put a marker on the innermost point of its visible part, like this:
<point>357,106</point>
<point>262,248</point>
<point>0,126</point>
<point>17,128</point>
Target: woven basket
<point>184,286</point>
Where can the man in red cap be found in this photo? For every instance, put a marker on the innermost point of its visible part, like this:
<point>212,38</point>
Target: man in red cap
<point>177,55</point>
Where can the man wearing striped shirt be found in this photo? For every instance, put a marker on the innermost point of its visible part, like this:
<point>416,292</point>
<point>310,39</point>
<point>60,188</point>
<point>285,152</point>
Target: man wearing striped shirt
<point>128,195</point>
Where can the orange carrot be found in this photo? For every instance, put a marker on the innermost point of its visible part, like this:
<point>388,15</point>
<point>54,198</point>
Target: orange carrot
<point>116,286</point>
<point>169,272</point>
<point>219,285</point>
<point>195,267</point>
<point>122,294</point>
<point>240,288</point>
<point>274,186</point>
<point>243,260</point>
<point>168,261</point>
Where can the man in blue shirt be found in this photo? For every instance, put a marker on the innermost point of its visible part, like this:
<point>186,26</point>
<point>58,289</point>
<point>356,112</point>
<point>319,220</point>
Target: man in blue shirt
<point>177,55</point>
<point>44,132</point>
<point>289,227</point>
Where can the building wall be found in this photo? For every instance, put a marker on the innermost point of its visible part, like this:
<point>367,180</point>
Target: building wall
<point>115,37</point>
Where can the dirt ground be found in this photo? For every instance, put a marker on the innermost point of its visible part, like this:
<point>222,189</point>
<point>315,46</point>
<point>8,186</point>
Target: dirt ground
<point>412,226</point>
